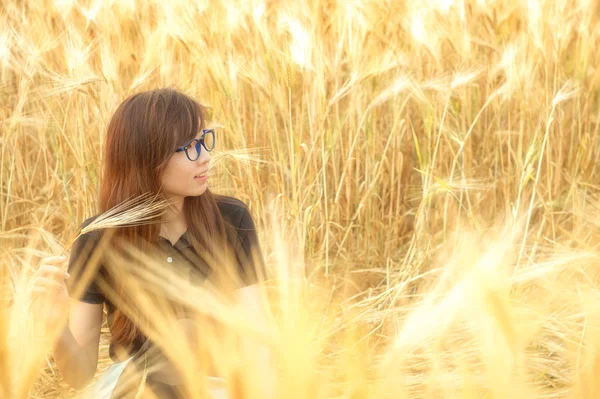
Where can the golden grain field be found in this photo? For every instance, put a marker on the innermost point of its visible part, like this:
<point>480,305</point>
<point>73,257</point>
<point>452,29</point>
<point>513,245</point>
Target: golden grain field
<point>424,176</point>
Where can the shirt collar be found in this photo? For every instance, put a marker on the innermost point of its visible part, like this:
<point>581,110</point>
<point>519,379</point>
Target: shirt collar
<point>182,243</point>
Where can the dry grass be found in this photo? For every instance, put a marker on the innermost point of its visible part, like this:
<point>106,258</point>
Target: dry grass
<point>432,166</point>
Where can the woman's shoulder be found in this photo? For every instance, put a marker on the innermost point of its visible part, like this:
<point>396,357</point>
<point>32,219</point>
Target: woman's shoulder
<point>87,221</point>
<point>232,209</point>
<point>82,258</point>
<point>88,238</point>
<point>91,234</point>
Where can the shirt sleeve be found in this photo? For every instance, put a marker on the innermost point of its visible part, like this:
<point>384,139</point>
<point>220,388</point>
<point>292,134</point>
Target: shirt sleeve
<point>80,260</point>
<point>250,258</point>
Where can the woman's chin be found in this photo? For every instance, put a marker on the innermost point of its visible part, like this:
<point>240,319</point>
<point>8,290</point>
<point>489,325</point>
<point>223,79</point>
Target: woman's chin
<point>200,190</point>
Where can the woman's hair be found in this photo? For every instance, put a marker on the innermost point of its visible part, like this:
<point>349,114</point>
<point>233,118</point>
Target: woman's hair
<point>142,135</point>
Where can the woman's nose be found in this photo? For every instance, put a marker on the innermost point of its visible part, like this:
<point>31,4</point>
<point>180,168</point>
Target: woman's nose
<point>204,157</point>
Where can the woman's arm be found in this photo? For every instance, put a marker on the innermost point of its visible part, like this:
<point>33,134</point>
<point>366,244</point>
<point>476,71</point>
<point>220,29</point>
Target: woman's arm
<point>251,300</point>
<point>76,351</point>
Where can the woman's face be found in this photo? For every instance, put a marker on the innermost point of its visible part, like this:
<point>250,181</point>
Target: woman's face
<point>184,178</point>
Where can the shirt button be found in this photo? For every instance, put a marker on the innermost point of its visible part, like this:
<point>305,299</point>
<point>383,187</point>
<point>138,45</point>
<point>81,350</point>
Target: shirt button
<point>169,259</point>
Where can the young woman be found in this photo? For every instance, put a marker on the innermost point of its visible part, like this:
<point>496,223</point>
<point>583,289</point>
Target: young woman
<point>156,142</point>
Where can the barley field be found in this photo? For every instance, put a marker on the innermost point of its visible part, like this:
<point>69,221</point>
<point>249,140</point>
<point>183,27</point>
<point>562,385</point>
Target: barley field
<point>423,175</point>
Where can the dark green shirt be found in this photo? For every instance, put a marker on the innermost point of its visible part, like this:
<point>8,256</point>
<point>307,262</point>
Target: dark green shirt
<point>242,239</point>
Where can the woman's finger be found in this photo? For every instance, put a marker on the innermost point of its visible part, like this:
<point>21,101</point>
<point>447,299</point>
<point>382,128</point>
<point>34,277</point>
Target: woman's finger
<point>53,272</point>
<point>53,260</point>
<point>44,282</point>
<point>35,290</point>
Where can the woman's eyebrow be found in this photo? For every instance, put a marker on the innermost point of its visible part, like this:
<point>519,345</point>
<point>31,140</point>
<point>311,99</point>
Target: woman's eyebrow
<point>201,132</point>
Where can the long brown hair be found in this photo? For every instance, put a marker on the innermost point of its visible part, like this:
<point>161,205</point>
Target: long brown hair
<point>142,135</point>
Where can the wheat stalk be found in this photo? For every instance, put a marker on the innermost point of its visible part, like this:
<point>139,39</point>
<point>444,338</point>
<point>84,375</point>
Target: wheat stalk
<point>135,211</point>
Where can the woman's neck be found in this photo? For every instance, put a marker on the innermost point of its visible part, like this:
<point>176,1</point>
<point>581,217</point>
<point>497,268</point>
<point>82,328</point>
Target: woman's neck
<point>173,223</point>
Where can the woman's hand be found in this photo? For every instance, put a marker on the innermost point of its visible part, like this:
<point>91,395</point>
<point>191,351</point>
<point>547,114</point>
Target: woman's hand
<point>49,295</point>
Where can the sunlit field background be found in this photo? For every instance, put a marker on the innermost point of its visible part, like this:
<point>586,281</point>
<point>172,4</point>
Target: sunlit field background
<point>423,174</point>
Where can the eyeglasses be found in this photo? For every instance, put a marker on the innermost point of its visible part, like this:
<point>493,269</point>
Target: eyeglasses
<point>193,147</point>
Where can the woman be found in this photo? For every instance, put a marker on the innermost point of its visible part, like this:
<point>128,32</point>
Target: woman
<point>156,142</point>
